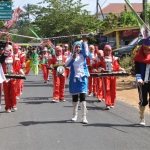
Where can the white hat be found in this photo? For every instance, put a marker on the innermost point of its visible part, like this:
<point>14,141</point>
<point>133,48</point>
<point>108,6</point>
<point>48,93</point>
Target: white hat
<point>66,45</point>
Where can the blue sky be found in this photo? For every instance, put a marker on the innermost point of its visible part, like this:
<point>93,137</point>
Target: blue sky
<point>91,7</point>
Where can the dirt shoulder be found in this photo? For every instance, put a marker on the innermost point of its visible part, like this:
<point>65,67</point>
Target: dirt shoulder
<point>127,92</point>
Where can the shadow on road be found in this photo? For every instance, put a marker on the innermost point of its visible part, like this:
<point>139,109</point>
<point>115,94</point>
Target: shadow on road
<point>117,125</point>
<point>28,123</point>
<point>36,98</point>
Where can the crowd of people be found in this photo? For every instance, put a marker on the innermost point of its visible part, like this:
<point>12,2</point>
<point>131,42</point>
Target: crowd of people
<point>80,66</point>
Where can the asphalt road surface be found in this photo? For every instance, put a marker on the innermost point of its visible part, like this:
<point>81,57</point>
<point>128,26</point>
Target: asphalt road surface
<point>39,124</point>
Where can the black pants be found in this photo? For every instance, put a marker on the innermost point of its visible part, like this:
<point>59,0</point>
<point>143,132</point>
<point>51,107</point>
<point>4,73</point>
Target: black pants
<point>81,95</point>
<point>144,91</point>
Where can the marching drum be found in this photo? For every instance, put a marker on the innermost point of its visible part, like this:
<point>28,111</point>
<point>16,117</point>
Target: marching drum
<point>110,74</point>
<point>60,69</point>
<point>15,76</point>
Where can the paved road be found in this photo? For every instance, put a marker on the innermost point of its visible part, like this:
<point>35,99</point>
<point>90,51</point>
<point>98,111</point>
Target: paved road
<point>39,124</point>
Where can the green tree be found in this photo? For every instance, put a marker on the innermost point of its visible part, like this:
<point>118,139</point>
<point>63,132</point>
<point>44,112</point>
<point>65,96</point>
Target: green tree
<point>63,17</point>
<point>114,21</point>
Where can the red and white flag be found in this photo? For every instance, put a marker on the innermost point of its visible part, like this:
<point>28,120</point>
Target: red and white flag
<point>15,16</point>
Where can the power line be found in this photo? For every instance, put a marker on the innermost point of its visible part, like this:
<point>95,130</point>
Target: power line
<point>92,6</point>
<point>22,2</point>
<point>103,3</point>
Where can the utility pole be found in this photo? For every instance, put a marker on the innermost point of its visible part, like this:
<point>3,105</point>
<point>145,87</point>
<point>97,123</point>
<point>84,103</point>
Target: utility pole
<point>144,9</point>
<point>97,8</point>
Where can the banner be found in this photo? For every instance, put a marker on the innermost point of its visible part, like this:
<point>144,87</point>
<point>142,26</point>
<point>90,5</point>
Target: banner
<point>143,27</point>
<point>2,30</point>
<point>15,16</point>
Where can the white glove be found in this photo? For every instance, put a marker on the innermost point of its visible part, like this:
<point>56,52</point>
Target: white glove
<point>21,72</point>
<point>51,66</point>
<point>24,65</point>
<point>94,70</point>
<point>122,69</point>
<point>8,50</point>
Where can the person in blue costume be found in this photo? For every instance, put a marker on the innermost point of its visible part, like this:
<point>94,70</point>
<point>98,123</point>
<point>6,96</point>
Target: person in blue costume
<point>78,78</point>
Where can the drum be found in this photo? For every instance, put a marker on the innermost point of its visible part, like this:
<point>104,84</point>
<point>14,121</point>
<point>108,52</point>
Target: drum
<point>60,69</point>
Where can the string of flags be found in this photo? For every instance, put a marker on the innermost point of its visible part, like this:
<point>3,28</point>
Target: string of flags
<point>50,38</point>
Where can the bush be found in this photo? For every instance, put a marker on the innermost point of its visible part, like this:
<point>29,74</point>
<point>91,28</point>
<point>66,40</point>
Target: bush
<point>126,62</point>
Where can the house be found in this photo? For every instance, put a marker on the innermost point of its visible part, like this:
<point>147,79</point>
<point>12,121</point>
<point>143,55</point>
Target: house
<point>124,34</point>
<point>117,8</point>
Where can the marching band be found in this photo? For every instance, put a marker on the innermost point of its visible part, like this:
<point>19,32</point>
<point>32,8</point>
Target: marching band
<point>90,71</point>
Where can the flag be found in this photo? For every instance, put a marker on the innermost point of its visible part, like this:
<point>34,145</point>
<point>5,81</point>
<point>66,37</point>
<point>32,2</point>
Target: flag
<point>143,27</point>
<point>34,33</point>
<point>15,16</point>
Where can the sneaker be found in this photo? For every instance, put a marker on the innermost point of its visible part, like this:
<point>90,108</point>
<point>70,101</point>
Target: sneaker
<point>142,122</point>
<point>94,95</point>
<point>99,100</point>
<point>107,107</point>
<point>45,81</point>
<point>90,94</point>
<point>14,108</point>
<point>63,100</point>
<point>8,111</point>
<point>112,106</point>
<point>17,97</point>
<point>55,101</point>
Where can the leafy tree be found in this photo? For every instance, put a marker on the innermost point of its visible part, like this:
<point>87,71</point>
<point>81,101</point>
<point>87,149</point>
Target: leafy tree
<point>146,14</point>
<point>63,17</point>
<point>114,21</point>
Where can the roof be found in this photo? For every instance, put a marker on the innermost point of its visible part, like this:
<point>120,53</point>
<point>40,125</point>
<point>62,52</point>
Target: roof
<point>120,29</point>
<point>117,8</point>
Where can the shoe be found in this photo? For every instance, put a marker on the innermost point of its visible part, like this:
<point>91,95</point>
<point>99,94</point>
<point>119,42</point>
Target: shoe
<point>107,107</point>
<point>45,81</point>
<point>55,101</point>
<point>90,94</point>
<point>63,100</point>
<point>14,108</point>
<point>94,95</point>
<point>99,100</point>
<point>17,97</point>
<point>142,122</point>
<point>112,106</point>
<point>8,111</point>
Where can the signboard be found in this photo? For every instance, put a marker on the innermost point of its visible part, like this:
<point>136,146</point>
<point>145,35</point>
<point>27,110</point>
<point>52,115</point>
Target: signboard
<point>5,10</point>
<point>103,39</point>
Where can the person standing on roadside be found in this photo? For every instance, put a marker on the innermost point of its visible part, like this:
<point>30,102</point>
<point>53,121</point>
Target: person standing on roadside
<point>142,71</point>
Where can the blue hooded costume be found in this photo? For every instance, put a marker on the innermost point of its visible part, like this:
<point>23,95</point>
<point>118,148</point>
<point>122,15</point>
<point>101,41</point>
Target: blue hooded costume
<point>78,79</point>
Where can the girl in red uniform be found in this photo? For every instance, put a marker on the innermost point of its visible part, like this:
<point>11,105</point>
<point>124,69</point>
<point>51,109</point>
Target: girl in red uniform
<point>109,63</point>
<point>99,81</point>
<point>59,75</point>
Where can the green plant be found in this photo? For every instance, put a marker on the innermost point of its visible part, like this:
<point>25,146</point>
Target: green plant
<point>127,62</point>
